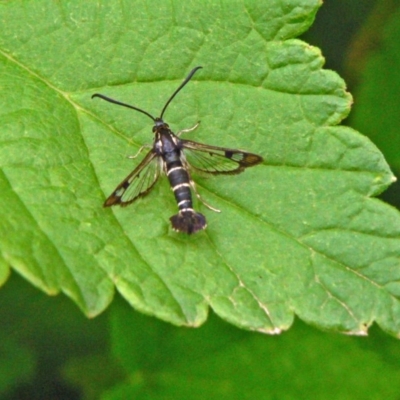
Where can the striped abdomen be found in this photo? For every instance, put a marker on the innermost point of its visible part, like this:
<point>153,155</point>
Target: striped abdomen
<point>187,220</point>
<point>180,183</point>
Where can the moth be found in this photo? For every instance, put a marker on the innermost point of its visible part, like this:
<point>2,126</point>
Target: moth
<point>177,158</point>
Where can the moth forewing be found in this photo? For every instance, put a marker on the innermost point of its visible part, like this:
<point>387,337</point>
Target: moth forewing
<point>218,160</point>
<point>138,183</point>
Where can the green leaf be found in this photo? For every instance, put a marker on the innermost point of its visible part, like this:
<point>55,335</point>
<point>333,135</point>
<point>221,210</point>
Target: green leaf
<point>297,235</point>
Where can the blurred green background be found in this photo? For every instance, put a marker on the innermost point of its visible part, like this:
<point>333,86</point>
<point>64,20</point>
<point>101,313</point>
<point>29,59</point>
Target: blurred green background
<point>49,350</point>
<point>360,41</point>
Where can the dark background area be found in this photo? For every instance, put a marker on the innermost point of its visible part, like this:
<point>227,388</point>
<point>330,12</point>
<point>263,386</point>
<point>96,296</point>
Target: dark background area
<point>348,33</point>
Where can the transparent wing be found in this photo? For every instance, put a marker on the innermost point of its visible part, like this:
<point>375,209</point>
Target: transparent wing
<point>138,183</point>
<point>218,160</point>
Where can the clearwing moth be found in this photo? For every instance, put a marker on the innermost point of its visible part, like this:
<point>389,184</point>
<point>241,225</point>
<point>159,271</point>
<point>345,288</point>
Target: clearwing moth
<point>177,157</point>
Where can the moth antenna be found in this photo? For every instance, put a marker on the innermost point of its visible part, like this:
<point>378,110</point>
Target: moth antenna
<point>110,100</point>
<point>188,78</point>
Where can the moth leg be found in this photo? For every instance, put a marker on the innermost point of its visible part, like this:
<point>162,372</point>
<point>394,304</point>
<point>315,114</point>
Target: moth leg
<point>188,130</point>
<point>140,150</point>
<point>193,185</point>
